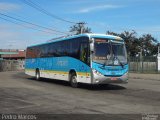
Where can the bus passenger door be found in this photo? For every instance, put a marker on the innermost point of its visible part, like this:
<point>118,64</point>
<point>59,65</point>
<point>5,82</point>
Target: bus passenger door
<point>84,59</point>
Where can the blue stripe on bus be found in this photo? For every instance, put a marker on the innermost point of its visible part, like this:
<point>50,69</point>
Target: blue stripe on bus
<point>110,70</point>
<point>67,63</point>
<point>57,64</point>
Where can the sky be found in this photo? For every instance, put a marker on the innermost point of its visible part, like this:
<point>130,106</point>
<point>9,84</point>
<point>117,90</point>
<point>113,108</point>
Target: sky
<point>143,16</point>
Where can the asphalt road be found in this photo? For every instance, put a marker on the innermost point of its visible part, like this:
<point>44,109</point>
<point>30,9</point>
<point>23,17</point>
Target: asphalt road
<point>20,93</point>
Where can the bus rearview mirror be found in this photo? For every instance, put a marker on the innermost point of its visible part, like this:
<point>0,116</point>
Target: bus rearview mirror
<point>91,44</point>
<point>92,47</point>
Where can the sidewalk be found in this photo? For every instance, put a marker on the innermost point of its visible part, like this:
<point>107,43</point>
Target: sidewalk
<point>144,76</point>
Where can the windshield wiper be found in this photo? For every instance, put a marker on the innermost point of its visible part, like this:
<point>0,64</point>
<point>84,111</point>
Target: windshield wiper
<point>103,66</point>
<point>119,62</point>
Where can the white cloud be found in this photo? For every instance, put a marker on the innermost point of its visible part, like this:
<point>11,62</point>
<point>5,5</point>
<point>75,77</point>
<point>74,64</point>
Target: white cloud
<point>98,8</point>
<point>17,37</point>
<point>8,6</point>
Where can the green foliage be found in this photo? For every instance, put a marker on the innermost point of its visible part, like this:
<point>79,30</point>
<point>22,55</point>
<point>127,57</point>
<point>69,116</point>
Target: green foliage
<point>146,43</point>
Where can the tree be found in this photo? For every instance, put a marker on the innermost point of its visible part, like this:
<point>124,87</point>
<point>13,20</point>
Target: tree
<point>130,40</point>
<point>80,28</point>
<point>146,44</point>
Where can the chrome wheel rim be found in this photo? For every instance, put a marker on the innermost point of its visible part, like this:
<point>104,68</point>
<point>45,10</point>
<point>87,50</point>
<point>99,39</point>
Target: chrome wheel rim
<point>37,75</point>
<point>74,81</point>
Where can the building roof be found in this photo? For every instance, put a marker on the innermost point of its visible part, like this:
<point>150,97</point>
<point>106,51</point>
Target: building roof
<point>20,54</point>
<point>8,53</point>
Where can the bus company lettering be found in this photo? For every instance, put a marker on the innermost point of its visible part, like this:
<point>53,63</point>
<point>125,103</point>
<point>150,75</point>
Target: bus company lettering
<point>62,63</point>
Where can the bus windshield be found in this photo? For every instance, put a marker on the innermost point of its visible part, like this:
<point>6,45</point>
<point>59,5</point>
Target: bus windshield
<point>109,53</point>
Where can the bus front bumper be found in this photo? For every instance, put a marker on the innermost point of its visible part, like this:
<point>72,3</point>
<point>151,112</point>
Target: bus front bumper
<point>101,79</point>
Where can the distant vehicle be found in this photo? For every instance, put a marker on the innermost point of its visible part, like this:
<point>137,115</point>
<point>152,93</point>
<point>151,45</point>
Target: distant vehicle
<point>84,58</point>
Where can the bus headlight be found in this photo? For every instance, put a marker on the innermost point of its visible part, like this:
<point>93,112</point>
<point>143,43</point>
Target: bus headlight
<point>96,72</point>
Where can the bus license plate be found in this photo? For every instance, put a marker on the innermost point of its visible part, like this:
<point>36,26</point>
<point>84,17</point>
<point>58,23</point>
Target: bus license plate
<point>113,78</point>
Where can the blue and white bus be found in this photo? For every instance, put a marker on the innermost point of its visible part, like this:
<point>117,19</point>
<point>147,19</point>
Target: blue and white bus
<point>84,58</point>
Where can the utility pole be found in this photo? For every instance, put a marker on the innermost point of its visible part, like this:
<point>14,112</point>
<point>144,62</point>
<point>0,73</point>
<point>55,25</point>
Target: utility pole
<point>81,24</point>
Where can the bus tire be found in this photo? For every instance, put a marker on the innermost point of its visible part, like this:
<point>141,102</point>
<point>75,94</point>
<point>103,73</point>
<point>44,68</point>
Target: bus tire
<point>37,75</point>
<point>73,80</point>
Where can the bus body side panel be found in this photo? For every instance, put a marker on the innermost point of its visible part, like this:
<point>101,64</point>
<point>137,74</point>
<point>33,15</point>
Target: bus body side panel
<point>58,68</point>
<point>30,66</point>
<point>30,72</point>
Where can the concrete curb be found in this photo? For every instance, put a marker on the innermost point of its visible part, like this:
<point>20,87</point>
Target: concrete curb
<point>145,76</point>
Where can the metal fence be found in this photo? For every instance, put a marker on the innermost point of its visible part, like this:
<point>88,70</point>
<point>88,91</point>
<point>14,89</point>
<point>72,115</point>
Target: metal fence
<point>143,64</point>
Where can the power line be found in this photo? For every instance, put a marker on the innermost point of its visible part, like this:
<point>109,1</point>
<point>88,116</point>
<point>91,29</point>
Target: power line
<point>19,16</point>
<point>32,23</point>
<point>42,10</point>
<point>24,25</point>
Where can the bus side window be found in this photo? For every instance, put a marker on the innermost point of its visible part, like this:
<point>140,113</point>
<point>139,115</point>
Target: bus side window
<point>66,48</point>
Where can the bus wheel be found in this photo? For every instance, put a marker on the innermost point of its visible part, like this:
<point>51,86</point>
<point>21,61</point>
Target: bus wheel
<point>37,75</point>
<point>73,80</point>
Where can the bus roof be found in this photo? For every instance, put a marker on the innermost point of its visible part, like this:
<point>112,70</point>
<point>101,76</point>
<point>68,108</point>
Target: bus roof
<point>89,35</point>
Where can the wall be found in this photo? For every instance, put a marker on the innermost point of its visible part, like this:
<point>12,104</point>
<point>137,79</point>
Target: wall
<point>158,59</point>
<point>11,65</point>
<point>143,66</point>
